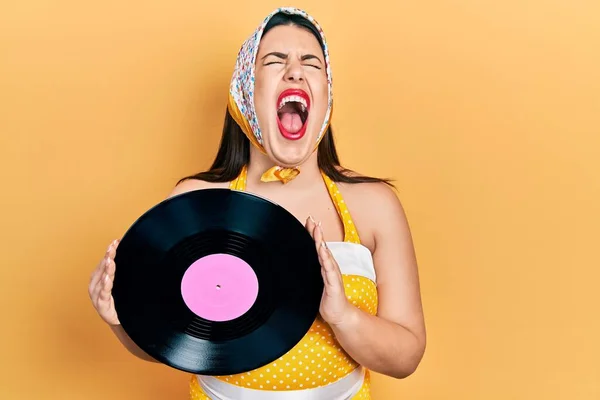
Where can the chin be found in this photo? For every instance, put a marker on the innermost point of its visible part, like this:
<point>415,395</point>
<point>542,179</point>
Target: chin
<point>289,153</point>
<point>287,160</point>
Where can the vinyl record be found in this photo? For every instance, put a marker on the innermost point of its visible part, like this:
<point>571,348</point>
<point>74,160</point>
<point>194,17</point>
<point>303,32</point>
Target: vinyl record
<point>217,282</point>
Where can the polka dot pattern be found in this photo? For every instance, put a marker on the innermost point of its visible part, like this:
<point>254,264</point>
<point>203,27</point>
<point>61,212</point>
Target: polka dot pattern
<point>350,231</point>
<point>317,359</point>
<point>364,393</point>
<point>239,183</point>
<point>196,392</point>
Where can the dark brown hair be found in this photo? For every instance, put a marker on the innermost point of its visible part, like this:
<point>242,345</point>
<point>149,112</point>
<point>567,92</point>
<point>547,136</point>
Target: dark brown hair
<point>234,149</point>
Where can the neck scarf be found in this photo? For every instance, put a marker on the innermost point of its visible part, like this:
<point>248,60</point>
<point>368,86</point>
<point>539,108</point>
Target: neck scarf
<point>241,93</point>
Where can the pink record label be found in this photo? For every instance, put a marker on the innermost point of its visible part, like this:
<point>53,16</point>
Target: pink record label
<point>219,287</point>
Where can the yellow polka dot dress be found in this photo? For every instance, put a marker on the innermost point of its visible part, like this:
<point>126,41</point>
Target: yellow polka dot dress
<point>317,360</point>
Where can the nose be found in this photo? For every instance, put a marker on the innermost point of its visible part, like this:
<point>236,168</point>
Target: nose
<point>294,73</point>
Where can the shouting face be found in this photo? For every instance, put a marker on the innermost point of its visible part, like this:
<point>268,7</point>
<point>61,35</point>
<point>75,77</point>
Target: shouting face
<point>291,93</point>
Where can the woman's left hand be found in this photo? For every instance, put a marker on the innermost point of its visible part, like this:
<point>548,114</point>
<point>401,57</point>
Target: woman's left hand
<point>335,308</point>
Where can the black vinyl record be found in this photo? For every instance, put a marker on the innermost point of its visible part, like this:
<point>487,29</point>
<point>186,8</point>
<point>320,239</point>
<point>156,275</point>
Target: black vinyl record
<point>217,282</point>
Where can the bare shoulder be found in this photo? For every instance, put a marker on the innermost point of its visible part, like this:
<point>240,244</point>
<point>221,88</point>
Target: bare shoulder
<point>189,185</point>
<point>372,199</point>
<point>373,206</point>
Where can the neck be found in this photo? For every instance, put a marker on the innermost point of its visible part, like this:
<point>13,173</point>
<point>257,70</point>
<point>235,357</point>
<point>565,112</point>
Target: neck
<point>259,163</point>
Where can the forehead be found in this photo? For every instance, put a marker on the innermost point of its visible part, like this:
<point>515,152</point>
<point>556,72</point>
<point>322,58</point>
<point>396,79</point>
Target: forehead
<point>289,38</point>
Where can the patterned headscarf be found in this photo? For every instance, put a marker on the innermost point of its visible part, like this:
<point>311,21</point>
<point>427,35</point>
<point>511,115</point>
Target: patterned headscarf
<point>241,92</point>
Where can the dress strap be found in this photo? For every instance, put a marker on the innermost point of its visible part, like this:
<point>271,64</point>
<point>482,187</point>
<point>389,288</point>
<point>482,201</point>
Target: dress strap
<point>350,233</point>
<point>239,183</point>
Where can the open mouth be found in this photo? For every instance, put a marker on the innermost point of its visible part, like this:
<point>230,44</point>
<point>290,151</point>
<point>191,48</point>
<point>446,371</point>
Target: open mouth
<point>293,106</point>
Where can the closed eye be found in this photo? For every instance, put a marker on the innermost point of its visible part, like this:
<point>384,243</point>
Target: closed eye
<point>277,55</point>
<point>282,57</point>
<point>312,57</point>
<point>314,66</point>
<point>279,62</point>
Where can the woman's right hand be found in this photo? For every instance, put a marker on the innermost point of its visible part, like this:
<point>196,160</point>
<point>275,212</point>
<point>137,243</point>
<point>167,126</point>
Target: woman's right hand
<point>100,286</point>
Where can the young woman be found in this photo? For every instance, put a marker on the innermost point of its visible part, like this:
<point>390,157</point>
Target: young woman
<point>277,143</point>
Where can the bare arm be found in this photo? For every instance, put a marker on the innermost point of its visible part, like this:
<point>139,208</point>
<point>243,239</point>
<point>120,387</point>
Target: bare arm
<point>393,342</point>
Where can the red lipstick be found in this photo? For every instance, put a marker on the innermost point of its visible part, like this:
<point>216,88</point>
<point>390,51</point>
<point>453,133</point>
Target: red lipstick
<point>294,92</point>
<point>291,120</point>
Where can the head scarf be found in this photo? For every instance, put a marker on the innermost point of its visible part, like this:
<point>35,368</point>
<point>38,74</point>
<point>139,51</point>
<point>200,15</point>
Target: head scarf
<point>241,92</point>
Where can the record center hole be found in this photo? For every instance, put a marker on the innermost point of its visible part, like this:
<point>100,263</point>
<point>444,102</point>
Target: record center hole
<point>218,287</point>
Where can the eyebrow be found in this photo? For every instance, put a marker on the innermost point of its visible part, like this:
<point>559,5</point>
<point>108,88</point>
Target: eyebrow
<point>310,56</point>
<point>284,56</point>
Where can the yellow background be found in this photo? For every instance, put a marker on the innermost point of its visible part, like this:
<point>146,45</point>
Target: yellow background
<point>486,113</point>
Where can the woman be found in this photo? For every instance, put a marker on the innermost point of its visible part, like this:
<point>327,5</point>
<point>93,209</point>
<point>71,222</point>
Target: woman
<point>277,143</point>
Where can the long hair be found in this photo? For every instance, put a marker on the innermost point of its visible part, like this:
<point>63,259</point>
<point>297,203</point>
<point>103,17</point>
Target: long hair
<point>234,149</point>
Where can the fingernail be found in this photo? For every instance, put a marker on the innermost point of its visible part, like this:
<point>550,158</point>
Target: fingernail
<point>312,219</point>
